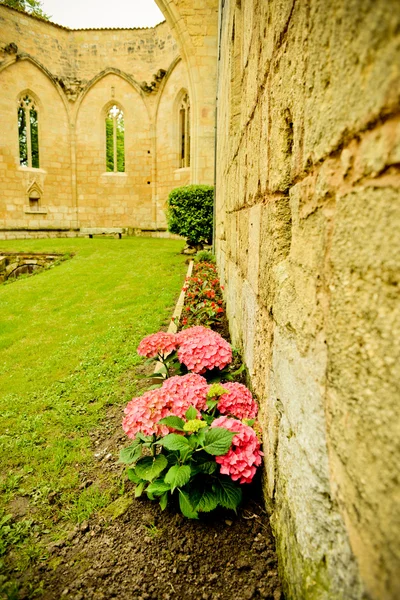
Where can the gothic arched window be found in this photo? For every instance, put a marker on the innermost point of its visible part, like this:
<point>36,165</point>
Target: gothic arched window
<point>115,133</point>
<point>184,132</point>
<point>28,132</point>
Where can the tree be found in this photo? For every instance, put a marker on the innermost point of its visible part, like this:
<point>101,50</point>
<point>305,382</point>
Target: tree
<point>32,7</point>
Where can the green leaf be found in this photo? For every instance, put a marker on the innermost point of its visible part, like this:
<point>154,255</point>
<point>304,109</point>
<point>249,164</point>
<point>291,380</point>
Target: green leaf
<point>173,441</point>
<point>229,494</point>
<point>133,477</point>
<point>139,489</point>
<point>209,467</point>
<point>218,441</point>
<point>239,370</point>
<point>191,413</point>
<point>174,422</point>
<point>204,500</point>
<point>158,487</point>
<point>131,454</point>
<point>212,404</point>
<point>164,501</point>
<point>149,467</point>
<point>249,422</point>
<point>173,458</point>
<point>177,476</point>
<point>186,507</point>
<point>208,418</point>
<point>144,438</point>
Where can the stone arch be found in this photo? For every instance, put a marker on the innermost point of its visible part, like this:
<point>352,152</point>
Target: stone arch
<point>32,94</point>
<point>44,70</point>
<point>171,69</point>
<point>178,129</point>
<point>102,75</point>
<point>177,100</point>
<point>187,50</point>
<point>197,50</point>
<point>34,195</point>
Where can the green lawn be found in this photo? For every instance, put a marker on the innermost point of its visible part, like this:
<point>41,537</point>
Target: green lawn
<point>68,339</point>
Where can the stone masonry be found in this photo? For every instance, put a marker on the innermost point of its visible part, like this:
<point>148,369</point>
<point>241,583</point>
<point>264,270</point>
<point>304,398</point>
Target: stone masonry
<point>308,219</point>
<point>73,75</point>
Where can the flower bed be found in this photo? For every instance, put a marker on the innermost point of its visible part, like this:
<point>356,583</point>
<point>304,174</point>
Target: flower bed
<point>204,303</point>
<point>194,435</point>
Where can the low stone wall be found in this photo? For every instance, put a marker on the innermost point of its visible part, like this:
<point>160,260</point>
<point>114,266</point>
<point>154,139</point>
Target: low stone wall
<point>26,234</point>
<point>13,264</point>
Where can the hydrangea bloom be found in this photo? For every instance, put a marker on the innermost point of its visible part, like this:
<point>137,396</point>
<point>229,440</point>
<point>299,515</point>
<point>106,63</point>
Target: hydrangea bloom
<point>237,402</point>
<point>158,343</point>
<point>201,349</point>
<point>143,414</point>
<point>244,455</point>
<point>173,398</point>
<point>184,391</point>
<point>190,332</point>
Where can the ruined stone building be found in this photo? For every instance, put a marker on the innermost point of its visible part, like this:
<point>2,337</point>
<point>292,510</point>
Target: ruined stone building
<point>307,227</point>
<point>81,90</point>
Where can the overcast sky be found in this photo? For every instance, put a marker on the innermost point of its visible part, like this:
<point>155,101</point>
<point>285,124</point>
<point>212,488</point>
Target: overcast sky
<point>78,14</point>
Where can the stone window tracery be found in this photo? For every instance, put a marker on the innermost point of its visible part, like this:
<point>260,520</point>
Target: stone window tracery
<point>115,140</point>
<point>184,132</point>
<point>28,132</point>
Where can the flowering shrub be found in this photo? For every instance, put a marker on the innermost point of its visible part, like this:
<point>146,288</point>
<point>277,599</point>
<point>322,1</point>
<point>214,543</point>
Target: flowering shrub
<point>173,398</point>
<point>244,455</point>
<point>183,442</point>
<point>157,344</point>
<point>197,349</point>
<point>204,303</point>
<point>237,402</point>
<point>202,350</point>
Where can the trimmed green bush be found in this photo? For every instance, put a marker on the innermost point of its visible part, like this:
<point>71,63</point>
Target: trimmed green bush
<point>190,213</point>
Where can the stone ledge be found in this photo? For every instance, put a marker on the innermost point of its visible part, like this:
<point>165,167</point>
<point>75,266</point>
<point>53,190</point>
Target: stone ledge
<point>38,211</point>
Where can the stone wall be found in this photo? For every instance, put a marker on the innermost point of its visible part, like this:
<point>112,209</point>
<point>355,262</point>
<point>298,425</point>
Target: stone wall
<point>194,25</point>
<point>13,265</point>
<point>308,244</point>
<point>74,75</point>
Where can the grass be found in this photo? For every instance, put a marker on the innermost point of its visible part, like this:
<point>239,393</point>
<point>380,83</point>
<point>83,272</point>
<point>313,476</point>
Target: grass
<point>68,339</point>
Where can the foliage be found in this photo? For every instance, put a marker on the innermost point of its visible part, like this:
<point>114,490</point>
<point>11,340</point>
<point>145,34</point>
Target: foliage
<point>181,434</point>
<point>204,256</point>
<point>12,533</point>
<point>190,213</point>
<point>204,303</point>
<point>33,7</point>
<point>120,141</point>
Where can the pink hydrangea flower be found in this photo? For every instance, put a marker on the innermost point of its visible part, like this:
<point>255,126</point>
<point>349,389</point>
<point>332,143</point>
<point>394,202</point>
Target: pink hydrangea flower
<point>201,349</point>
<point>158,343</point>
<point>238,402</point>
<point>173,398</point>
<point>244,455</point>
<point>143,414</point>
<point>184,391</point>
